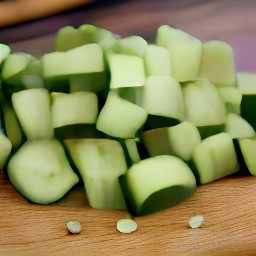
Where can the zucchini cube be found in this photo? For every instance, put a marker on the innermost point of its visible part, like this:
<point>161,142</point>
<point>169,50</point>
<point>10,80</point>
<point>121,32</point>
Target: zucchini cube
<point>218,64</point>
<point>120,118</point>
<point>185,52</point>
<point>214,158</point>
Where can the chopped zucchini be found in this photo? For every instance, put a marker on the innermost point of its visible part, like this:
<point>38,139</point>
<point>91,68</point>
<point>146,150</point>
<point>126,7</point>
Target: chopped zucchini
<point>40,171</point>
<point>13,67</point>
<point>214,158</point>
<point>120,118</point>
<point>162,97</point>
<point>74,115</point>
<point>126,71</point>
<point>237,127</point>
<point>157,61</point>
<point>5,50</point>
<point>32,107</point>
<point>157,183</point>
<point>232,97</point>
<point>218,64</point>
<point>178,140</point>
<point>204,107</point>
<point>100,162</point>
<point>247,149</point>
<point>131,45</point>
<point>5,149</point>
<point>12,126</point>
<point>246,83</point>
<point>185,52</point>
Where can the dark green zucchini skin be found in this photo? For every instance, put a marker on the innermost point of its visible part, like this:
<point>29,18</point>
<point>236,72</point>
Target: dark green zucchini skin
<point>157,201</point>
<point>154,122</point>
<point>248,103</point>
<point>77,131</point>
<point>132,94</point>
<point>207,131</point>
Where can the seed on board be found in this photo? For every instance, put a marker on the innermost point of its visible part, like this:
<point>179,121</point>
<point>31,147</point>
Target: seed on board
<point>196,221</point>
<point>126,225</point>
<point>74,227</point>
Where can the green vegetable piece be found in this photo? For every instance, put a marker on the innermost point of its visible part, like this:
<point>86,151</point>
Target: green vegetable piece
<point>32,107</point>
<point>178,140</point>
<point>120,118</point>
<point>13,66</point>
<point>5,149</point>
<point>232,97</point>
<point>210,118</point>
<point>5,50</point>
<point>237,127</point>
<point>246,83</point>
<point>100,162</point>
<point>131,45</point>
<point>31,76</point>
<point>215,158</point>
<point>68,38</point>
<point>247,148</point>
<point>94,34</point>
<point>126,71</point>
<point>162,96</point>
<point>126,226</point>
<point>217,63</point>
<point>157,61</point>
<point>185,52</point>
<point>40,171</point>
<point>12,126</point>
<point>74,108</point>
<point>74,115</point>
<point>157,183</point>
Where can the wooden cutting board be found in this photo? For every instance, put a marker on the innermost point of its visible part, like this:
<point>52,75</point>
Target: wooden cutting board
<point>228,205</point>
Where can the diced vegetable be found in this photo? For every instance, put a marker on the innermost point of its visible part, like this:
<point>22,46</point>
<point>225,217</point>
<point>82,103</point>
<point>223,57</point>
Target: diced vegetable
<point>204,107</point>
<point>32,108</point>
<point>246,154</point>
<point>214,158</point>
<point>12,126</point>
<point>100,162</point>
<point>126,71</point>
<point>74,115</point>
<point>178,140</point>
<point>5,50</point>
<point>157,183</point>
<point>232,97</point>
<point>141,123</point>
<point>157,61</point>
<point>13,66</point>
<point>5,149</point>
<point>131,45</point>
<point>217,63</point>
<point>246,83</point>
<point>120,118</point>
<point>185,52</point>
<point>40,171</point>
<point>162,99</point>
<point>237,127</point>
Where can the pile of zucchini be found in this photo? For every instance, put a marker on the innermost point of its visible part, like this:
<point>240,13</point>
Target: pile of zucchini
<point>139,124</point>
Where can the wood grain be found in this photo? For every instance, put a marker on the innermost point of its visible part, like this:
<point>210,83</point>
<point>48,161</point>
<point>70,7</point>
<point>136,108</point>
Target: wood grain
<point>228,205</point>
